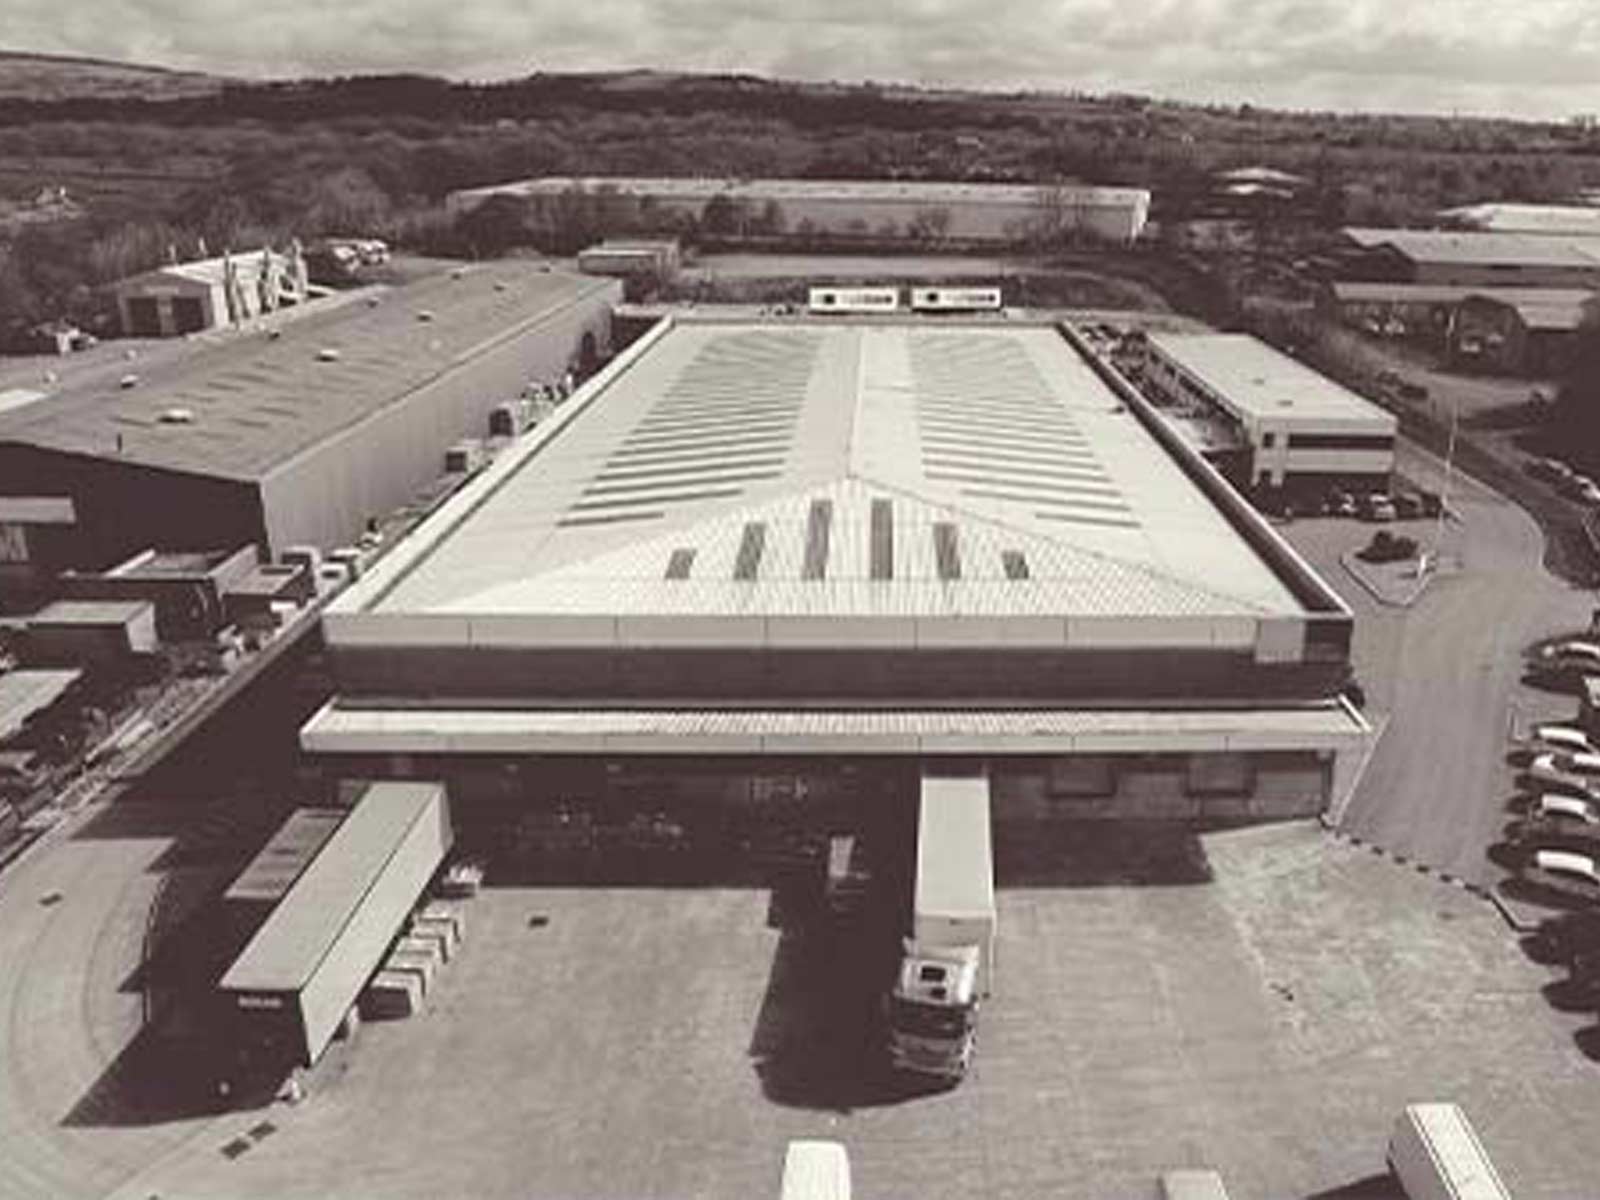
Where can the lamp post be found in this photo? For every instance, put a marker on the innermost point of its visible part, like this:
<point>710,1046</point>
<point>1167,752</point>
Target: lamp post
<point>1449,477</point>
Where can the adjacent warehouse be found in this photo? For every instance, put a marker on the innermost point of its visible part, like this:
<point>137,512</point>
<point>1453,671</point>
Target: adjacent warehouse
<point>1572,220</point>
<point>300,433</point>
<point>756,547</point>
<point>1471,259</point>
<point>303,970</point>
<point>191,297</point>
<point>1294,427</point>
<point>1533,334</point>
<point>980,212</point>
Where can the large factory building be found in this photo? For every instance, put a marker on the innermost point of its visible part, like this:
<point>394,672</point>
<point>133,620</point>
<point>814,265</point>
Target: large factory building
<point>751,555</point>
<point>978,212</point>
<point>298,432</point>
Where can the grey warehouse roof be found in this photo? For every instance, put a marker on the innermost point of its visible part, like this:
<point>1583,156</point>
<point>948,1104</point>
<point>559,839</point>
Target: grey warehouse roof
<point>258,400</point>
<point>1482,249</point>
<point>790,471</point>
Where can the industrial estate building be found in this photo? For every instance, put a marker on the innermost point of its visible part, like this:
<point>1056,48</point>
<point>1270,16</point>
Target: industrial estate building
<point>1470,259</point>
<point>750,550</point>
<point>298,433</point>
<point>1530,334</point>
<point>194,296</point>
<point>1573,220</point>
<point>1267,420</point>
<point>980,212</point>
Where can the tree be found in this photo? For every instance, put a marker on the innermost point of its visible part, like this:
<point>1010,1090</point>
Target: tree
<point>1576,421</point>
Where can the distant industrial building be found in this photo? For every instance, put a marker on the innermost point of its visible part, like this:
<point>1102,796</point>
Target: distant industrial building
<point>1570,220</point>
<point>979,212</point>
<point>1533,334</point>
<point>632,259</point>
<point>1281,424</point>
<point>296,434</point>
<point>1477,260</point>
<point>194,296</point>
<point>752,555</point>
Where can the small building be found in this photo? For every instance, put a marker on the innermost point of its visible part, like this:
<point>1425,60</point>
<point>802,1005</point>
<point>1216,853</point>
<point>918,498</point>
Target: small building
<point>652,260</point>
<point>27,696</point>
<point>193,296</point>
<point>1298,429</point>
<point>90,632</point>
<point>1572,220</point>
<point>305,967</point>
<point>186,587</point>
<point>1532,335</point>
<point>254,600</point>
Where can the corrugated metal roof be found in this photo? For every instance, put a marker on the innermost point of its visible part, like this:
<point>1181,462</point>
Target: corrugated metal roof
<point>287,949</point>
<point>1483,249</point>
<point>998,431</point>
<point>23,693</point>
<point>259,400</point>
<point>1570,219</point>
<point>1263,383</point>
<point>286,855</point>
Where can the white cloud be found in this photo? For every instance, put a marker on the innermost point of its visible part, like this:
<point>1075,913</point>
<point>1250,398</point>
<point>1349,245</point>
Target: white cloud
<point>1474,55</point>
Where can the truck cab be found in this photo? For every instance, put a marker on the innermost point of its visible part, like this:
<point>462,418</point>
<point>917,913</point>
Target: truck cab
<point>932,1010</point>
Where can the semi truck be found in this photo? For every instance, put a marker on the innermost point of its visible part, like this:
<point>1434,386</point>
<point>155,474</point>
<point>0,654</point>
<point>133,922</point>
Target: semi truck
<point>1436,1155</point>
<point>947,963</point>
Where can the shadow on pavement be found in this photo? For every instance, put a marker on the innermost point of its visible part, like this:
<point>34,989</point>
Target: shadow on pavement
<point>1382,1186</point>
<point>1099,854</point>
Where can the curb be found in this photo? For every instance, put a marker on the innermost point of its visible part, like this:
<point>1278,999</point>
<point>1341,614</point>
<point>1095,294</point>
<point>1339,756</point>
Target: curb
<point>1378,593</point>
<point>1488,894</point>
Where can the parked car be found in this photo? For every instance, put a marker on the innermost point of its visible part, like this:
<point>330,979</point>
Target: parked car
<point>1560,821</point>
<point>1341,504</point>
<point>1566,771</point>
<point>1567,656</point>
<point>1564,873</point>
<point>1406,506</point>
<point>1432,503</point>
<point>1375,506</point>
<point>1563,938</point>
<point>1551,470</point>
<point>1563,737</point>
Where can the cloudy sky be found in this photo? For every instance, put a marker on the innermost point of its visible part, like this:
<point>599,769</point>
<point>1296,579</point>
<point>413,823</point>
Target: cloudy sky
<point>1536,58</point>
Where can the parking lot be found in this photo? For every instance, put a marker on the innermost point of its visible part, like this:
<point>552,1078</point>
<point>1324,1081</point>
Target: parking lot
<point>1267,1015</point>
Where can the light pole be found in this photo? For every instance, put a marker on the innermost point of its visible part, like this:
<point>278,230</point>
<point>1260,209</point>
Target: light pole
<point>1449,477</point>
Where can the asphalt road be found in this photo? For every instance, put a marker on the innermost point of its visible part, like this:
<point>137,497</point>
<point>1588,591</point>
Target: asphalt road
<point>1445,673</point>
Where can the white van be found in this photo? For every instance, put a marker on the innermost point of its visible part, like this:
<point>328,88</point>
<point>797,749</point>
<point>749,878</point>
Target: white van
<point>1192,1185</point>
<point>816,1170</point>
<point>1435,1155</point>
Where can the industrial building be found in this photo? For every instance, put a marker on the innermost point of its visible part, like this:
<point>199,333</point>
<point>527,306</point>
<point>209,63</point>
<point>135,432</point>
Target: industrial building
<point>1572,220</point>
<point>1470,259</point>
<point>1272,422</point>
<point>1533,334</point>
<point>190,297</point>
<point>978,212</point>
<point>750,555</point>
<point>296,433</point>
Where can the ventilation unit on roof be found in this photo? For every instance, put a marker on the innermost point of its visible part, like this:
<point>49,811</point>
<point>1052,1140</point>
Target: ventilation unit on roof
<point>176,416</point>
<point>127,381</point>
<point>327,354</point>
<point>425,315</point>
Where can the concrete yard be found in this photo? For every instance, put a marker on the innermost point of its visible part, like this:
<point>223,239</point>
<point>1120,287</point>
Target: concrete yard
<point>1269,1023</point>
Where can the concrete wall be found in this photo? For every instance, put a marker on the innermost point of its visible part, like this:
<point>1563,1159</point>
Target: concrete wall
<point>325,495</point>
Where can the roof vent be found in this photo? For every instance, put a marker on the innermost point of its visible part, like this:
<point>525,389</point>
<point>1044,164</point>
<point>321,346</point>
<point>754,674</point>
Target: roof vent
<point>176,416</point>
<point>372,302</point>
<point>425,315</point>
<point>327,354</point>
<point>274,334</point>
<point>500,285</point>
<point>457,273</point>
<point>127,381</point>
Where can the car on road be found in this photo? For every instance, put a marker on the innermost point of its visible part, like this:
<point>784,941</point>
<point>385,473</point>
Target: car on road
<point>1567,770</point>
<point>1565,874</point>
<point>1563,737</point>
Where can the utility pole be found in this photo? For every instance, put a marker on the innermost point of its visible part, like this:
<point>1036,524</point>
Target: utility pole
<point>1449,477</point>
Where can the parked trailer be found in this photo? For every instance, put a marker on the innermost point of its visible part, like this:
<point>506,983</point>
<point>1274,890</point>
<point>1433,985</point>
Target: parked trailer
<point>816,1170</point>
<point>1436,1155</point>
<point>853,299</point>
<point>955,299</point>
<point>309,961</point>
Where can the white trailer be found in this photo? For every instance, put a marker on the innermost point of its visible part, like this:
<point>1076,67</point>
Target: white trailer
<point>955,299</point>
<point>1436,1155</point>
<point>954,903</point>
<point>853,299</point>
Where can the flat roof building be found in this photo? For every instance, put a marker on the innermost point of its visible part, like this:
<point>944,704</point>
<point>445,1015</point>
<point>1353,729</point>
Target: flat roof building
<point>1476,259</point>
<point>191,297</point>
<point>303,432</point>
<point>1298,428</point>
<point>1572,220</point>
<point>993,212</point>
<point>845,537</point>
